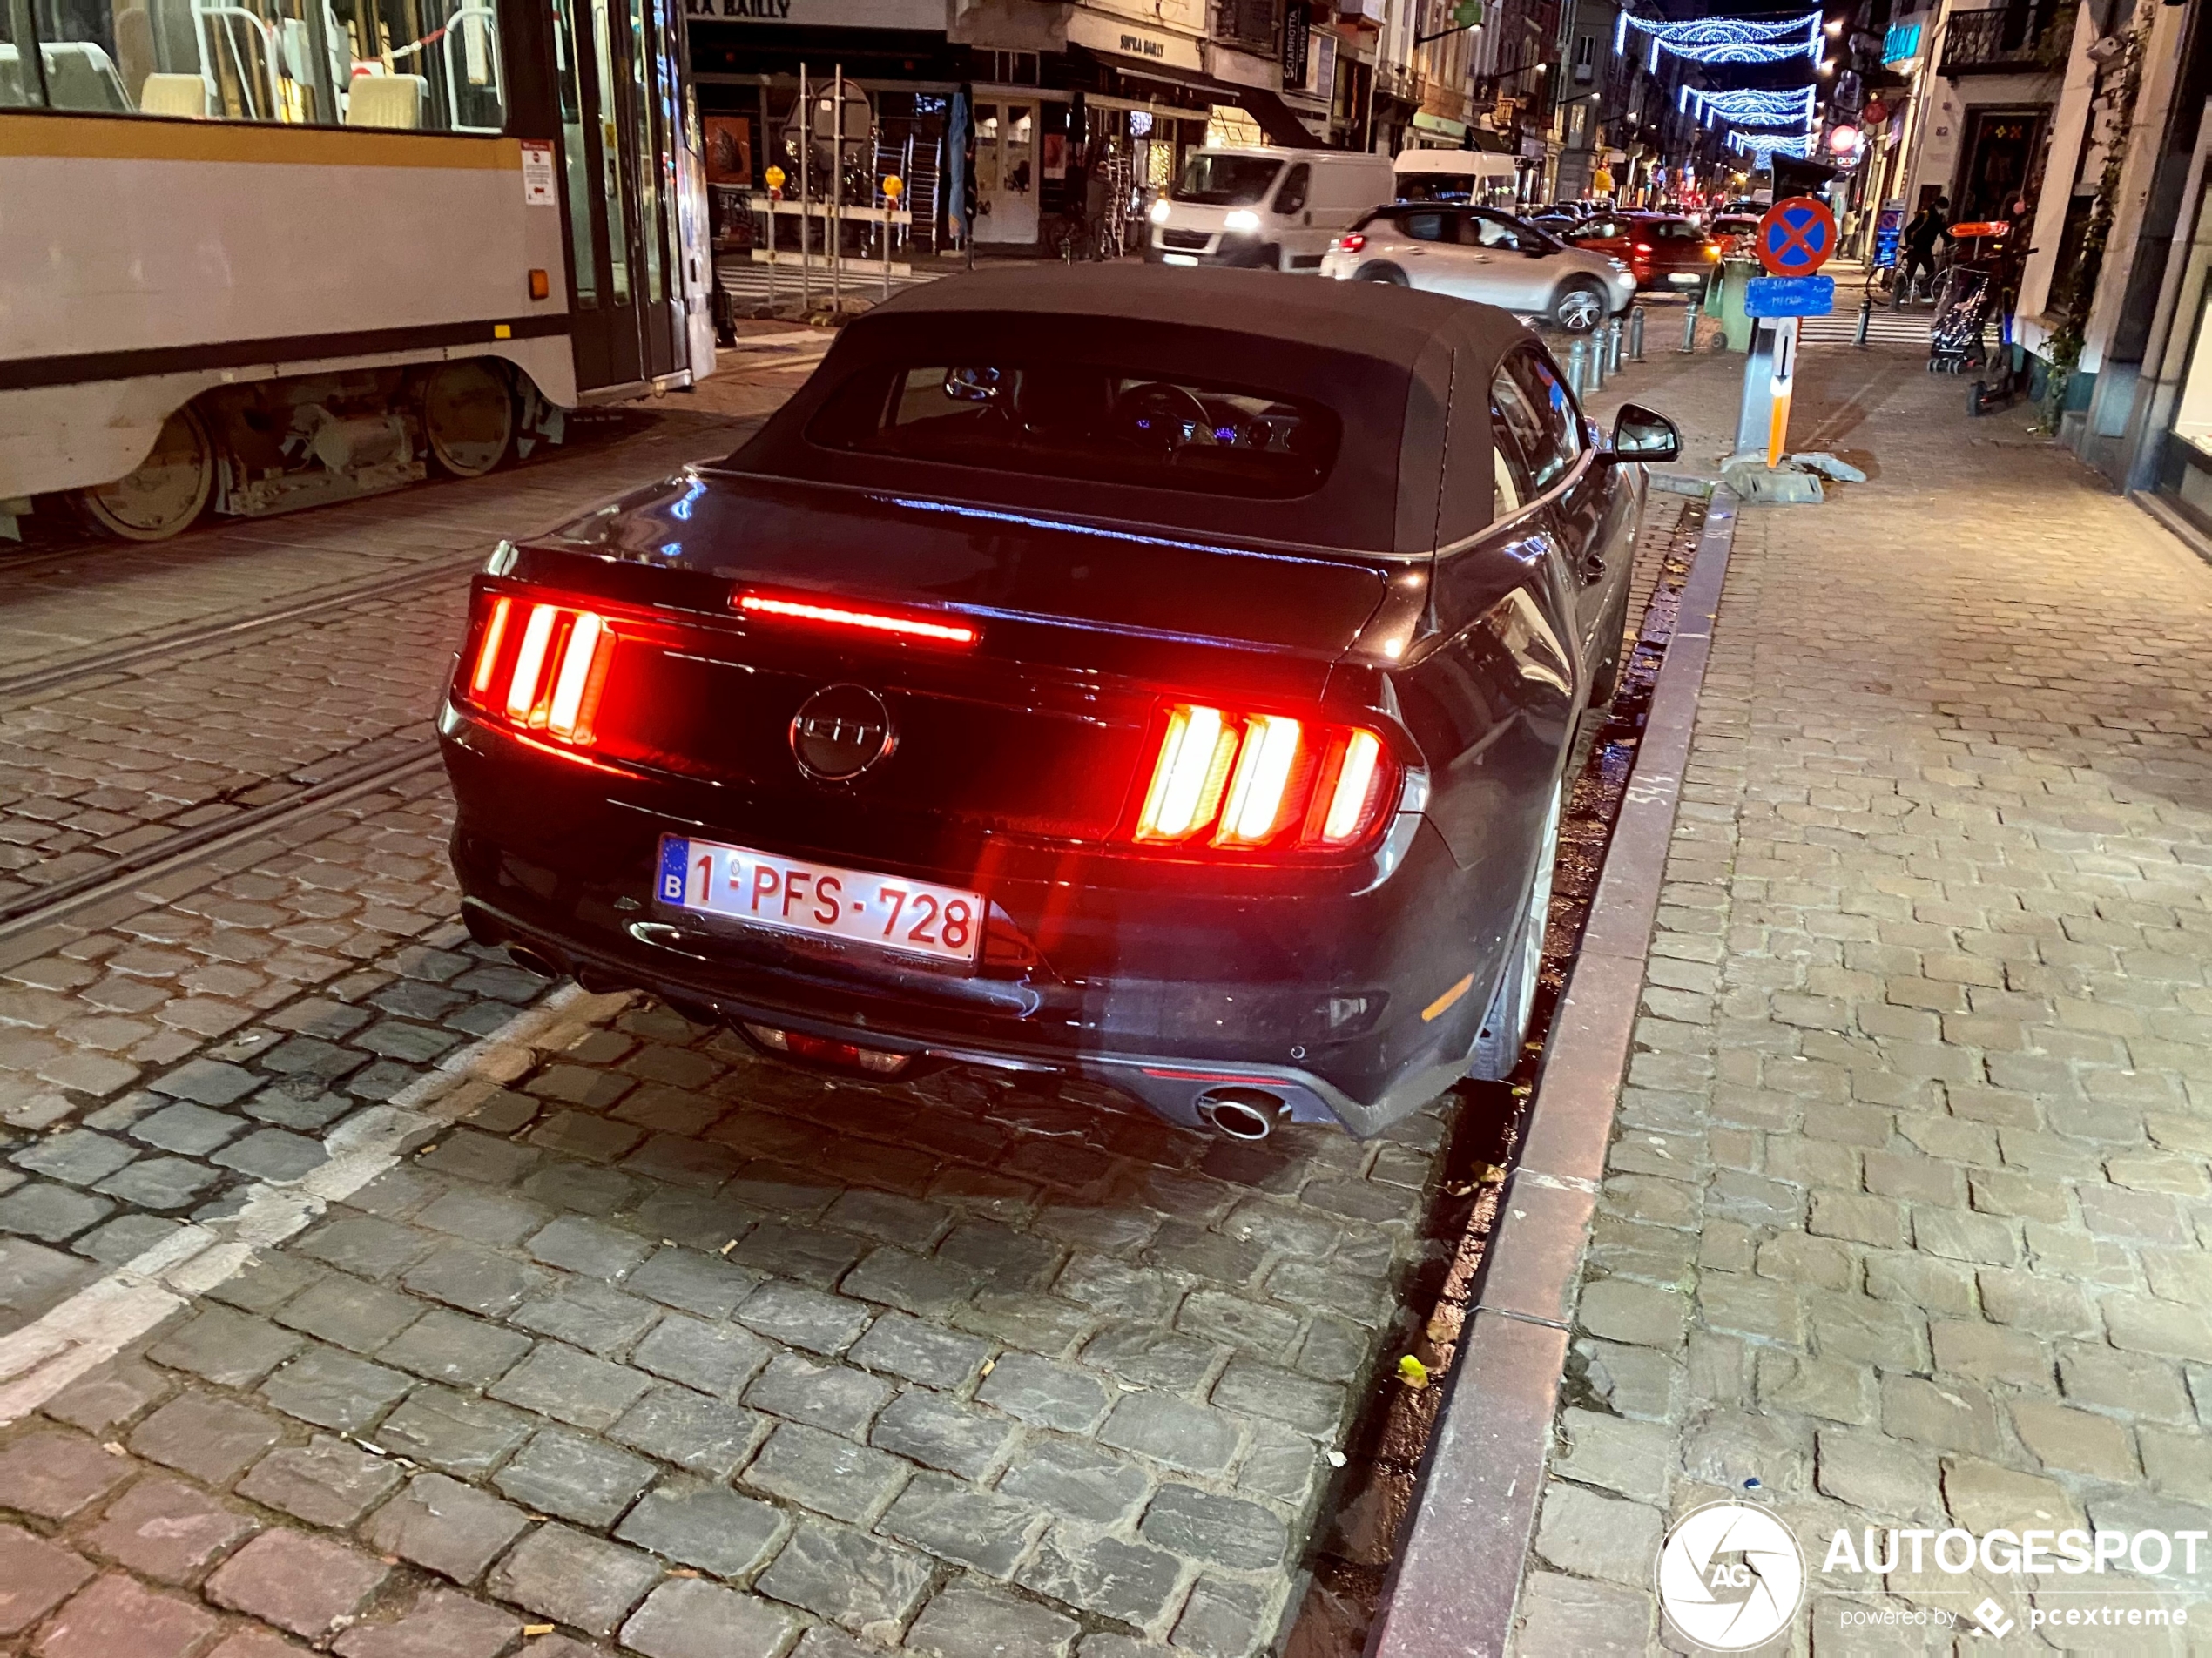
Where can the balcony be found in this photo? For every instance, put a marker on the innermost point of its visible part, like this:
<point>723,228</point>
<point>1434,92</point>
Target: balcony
<point>2006,40</point>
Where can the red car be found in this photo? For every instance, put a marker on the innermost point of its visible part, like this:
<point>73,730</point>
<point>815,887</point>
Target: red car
<point>1663,249</point>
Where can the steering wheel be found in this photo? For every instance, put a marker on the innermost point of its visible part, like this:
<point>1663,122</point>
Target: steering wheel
<point>1158,414</point>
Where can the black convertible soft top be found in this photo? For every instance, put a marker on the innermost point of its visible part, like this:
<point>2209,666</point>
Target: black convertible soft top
<point>1383,359</point>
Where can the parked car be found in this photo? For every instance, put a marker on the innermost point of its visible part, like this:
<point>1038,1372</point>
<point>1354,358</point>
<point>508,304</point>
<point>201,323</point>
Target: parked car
<point>1473,253</point>
<point>1732,233</point>
<point>1164,677</point>
<point>1660,250</point>
<point>1267,207</point>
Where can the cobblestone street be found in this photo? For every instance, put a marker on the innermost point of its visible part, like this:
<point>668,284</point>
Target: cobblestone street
<point>360,1291</point>
<point>1907,1216</point>
<point>452,1309</point>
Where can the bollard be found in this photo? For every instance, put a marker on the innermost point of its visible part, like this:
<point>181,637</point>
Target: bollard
<point>1616,342</point>
<point>1865,316</point>
<point>1578,358</point>
<point>1597,360</point>
<point>1690,329</point>
<point>1636,334</point>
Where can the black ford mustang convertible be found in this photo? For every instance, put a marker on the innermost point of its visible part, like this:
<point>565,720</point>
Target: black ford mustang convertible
<point>1162,677</point>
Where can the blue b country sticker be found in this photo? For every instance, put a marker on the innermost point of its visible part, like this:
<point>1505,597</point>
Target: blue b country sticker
<point>675,852</point>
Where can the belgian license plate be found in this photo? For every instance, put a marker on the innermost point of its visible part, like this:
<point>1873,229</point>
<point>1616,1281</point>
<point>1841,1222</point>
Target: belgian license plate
<point>917,918</point>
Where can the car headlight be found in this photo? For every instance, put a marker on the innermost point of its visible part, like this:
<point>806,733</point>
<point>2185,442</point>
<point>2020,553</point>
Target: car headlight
<point>1159,214</point>
<point>1243,219</point>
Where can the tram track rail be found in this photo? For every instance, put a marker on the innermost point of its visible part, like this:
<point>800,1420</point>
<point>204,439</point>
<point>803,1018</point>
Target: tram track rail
<point>118,658</point>
<point>28,913</point>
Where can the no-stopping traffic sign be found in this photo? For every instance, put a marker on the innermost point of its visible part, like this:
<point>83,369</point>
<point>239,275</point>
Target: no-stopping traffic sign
<point>1796,236</point>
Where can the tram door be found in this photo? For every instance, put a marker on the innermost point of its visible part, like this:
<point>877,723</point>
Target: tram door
<point>620,110</point>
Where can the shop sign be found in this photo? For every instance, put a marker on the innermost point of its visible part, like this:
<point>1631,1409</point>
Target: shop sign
<point>1106,34</point>
<point>1429,122</point>
<point>1297,37</point>
<point>822,14</point>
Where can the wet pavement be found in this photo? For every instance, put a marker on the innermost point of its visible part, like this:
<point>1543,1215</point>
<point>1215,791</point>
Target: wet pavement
<point>362,1289</point>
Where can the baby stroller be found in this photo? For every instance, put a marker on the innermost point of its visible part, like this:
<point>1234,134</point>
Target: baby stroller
<point>1969,298</point>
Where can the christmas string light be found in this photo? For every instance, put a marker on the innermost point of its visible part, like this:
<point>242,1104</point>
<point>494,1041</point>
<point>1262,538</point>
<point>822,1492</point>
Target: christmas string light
<point>1730,40</point>
<point>1746,107</point>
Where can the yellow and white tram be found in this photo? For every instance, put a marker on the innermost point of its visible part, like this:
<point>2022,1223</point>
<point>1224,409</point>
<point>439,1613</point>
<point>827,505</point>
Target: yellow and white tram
<point>256,254</point>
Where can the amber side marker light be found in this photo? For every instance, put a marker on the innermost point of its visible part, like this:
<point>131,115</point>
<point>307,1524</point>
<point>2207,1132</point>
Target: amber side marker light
<point>829,613</point>
<point>541,285</point>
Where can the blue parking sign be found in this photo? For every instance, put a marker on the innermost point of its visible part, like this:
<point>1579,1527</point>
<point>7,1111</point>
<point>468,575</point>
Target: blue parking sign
<point>1790,296</point>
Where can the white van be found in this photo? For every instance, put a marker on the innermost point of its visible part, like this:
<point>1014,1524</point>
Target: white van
<point>1478,178</point>
<point>1274,208</point>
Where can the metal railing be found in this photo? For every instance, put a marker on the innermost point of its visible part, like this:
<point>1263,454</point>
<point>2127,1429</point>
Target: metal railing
<point>2002,39</point>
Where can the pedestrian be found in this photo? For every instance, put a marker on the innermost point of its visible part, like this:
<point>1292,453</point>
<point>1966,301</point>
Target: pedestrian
<point>1930,225</point>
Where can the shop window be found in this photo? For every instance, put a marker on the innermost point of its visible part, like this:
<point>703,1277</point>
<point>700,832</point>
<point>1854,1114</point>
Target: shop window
<point>2185,464</point>
<point>409,64</point>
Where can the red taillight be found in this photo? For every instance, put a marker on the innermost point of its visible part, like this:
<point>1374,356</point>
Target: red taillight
<point>1248,782</point>
<point>886,624</point>
<point>1352,241</point>
<point>1643,247</point>
<point>823,1050</point>
<point>547,675</point>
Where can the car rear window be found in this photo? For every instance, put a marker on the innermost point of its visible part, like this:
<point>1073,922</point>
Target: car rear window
<point>1086,420</point>
<point>1672,230</point>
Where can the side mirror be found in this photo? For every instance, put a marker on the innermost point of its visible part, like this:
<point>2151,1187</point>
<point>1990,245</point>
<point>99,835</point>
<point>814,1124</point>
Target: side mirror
<point>1639,434</point>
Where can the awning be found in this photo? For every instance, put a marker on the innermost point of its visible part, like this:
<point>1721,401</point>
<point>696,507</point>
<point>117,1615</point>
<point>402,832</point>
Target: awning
<point>1275,118</point>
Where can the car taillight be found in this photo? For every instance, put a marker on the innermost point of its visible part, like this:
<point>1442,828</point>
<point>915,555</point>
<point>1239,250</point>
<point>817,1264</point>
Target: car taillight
<point>1247,782</point>
<point>542,667</point>
<point>1352,241</point>
<point>825,1051</point>
<point>1643,247</point>
<point>816,611</point>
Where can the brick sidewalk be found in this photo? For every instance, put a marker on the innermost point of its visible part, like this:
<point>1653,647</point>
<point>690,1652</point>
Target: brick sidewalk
<point>1907,1215</point>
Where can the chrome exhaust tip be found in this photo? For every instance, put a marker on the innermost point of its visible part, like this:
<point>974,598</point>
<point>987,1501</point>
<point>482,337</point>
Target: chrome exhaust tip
<point>531,960</point>
<point>1241,1113</point>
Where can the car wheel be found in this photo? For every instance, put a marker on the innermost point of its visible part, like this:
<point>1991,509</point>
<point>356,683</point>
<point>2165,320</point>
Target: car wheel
<point>1389,273</point>
<point>1580,308</point>
<point>1505,1023</point>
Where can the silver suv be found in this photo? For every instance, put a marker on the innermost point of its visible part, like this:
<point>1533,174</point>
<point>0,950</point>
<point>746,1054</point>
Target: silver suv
<point>1478,254</point>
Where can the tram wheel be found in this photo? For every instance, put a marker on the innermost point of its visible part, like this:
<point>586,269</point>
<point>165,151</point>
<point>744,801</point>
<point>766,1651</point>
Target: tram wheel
<point>468,416</point>
<point>165,492</point>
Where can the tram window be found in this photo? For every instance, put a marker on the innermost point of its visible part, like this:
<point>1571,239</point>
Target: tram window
<point>420,64</point>
<point>20,84</point>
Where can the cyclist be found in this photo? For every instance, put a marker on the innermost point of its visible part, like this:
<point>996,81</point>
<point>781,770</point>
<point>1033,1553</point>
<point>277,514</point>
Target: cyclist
<point>1930,224</point>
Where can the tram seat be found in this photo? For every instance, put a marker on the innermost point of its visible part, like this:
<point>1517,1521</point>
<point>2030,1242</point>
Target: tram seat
<point>174,95</point>
<point>387,101</point>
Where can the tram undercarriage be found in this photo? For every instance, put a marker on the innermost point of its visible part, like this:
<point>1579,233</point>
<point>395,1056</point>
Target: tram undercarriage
<point>274,446</point>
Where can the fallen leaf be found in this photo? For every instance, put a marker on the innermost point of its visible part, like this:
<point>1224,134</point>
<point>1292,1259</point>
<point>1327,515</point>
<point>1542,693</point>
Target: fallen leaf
<point>989,1365</point>
<point>1412,1373</point>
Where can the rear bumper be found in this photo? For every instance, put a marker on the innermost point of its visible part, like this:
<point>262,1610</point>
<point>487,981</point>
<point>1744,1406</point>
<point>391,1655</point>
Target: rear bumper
<point>1321,988</point>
